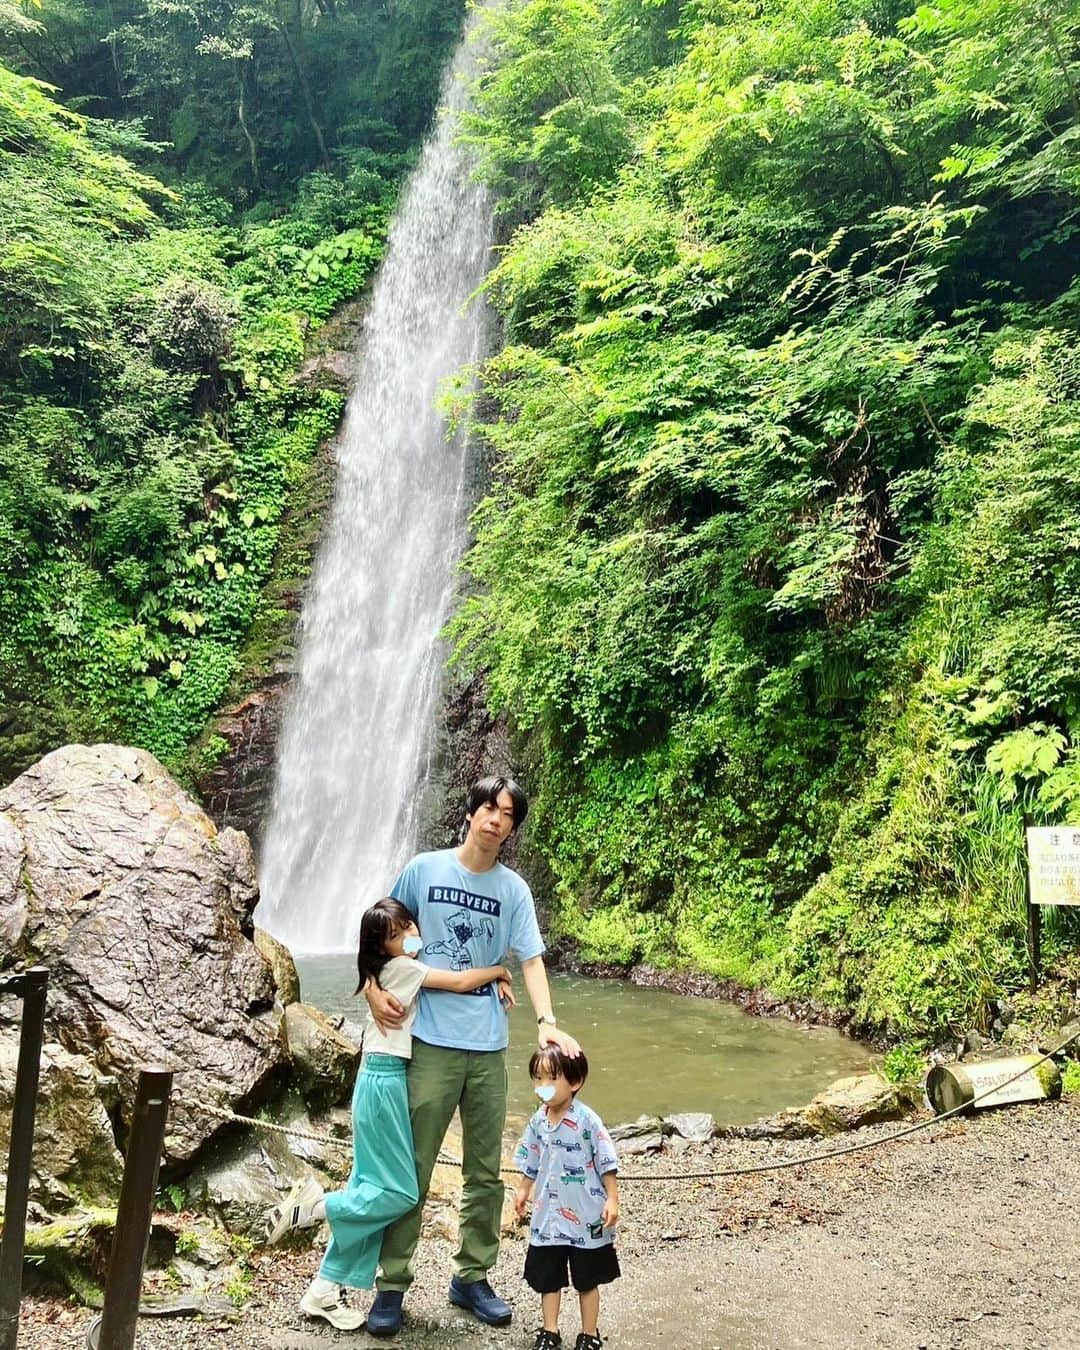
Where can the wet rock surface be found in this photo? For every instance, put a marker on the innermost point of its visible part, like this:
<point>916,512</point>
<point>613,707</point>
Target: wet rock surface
<point>141,909</point>
<point>75,1153</point>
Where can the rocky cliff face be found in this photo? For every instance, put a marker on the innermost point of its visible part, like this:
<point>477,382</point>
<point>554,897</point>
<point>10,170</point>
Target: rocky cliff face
<point>237,789</point>
<point>116,880</point>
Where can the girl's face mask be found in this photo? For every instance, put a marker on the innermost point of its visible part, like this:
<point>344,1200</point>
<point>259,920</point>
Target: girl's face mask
<point>545,1091</point>
<point>412,944</point>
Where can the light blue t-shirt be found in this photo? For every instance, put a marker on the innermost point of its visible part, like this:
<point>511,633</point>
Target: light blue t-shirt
<point>566,1163</point>
<point>466,919</point>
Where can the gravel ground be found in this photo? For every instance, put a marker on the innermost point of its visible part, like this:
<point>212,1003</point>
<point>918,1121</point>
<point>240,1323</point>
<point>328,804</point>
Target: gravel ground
<point>962,1236</point>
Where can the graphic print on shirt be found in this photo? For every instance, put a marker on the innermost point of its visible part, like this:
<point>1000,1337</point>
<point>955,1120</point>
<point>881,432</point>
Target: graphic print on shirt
<point>461,928</point>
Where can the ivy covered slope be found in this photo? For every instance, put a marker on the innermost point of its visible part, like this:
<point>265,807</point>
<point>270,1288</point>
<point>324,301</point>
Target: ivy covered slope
<point>779,576</point>
<point>162,266</point>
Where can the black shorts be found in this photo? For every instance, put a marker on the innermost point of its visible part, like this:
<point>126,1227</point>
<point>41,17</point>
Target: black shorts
<point>545,1267</point>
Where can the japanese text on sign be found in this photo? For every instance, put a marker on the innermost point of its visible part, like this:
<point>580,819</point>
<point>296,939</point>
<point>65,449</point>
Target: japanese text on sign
<point>1054,865</point>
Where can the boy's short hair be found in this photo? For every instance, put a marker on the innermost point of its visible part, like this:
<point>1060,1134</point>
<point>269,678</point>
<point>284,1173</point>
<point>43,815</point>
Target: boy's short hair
<point>485,792</point>
<point>551,1060</point>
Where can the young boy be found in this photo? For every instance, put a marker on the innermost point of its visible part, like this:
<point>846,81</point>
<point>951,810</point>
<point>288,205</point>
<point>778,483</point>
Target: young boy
<point>569,1172</point>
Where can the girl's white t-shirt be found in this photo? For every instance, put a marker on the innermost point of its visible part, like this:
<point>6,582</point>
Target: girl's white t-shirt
<point>402,976</point>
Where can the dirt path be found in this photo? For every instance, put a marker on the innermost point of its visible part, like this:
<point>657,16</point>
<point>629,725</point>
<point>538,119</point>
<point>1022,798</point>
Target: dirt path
<point>964,1236</point>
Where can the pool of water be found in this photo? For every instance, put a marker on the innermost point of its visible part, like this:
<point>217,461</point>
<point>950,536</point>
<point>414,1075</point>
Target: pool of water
<point>650,1050</point>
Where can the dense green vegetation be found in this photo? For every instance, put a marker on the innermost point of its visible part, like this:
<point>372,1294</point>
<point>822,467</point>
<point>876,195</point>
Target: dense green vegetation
<point>779,576</point>
<point>186,192</point>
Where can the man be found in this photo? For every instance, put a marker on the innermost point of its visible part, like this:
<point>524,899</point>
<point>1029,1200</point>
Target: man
<point>471,910</point>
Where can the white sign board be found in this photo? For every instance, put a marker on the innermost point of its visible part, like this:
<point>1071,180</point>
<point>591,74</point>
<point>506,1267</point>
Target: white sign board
<point>1054,864</point>
<point>1026,1088</point>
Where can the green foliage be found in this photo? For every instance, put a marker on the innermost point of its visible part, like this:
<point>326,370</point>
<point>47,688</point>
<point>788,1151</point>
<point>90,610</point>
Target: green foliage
<point>1070,1077</point>
<point>904,1063</point>
<point>776,576</point>
<point>153,429</point>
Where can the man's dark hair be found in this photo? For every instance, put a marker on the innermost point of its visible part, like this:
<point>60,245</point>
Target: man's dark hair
<point>378,925</point>
<point>485,792</point>
<point>551,1060</point>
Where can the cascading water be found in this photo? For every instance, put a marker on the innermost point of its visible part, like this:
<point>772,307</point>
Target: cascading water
<point>358,730</point>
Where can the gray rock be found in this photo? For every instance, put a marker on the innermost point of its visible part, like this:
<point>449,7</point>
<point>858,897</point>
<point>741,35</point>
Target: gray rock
<point>279,958</point>
<point>240,1179</point>
<point>641,1143</point>
<point>697,1126</point>
<point>324,1061</point>
<point>643,1126</point>
<point>75,1155</point>
<point>140,908</point>
<point>847,1104</point>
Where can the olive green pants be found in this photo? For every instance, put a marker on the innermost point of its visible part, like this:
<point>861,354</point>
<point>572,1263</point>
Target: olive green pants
<point>440,1081</point>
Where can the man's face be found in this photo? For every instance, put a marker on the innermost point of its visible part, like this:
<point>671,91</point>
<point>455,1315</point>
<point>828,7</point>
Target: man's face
<point>492,822</point>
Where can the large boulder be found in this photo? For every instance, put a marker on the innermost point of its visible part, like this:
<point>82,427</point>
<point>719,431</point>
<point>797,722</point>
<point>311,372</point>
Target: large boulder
<point>115,879</point>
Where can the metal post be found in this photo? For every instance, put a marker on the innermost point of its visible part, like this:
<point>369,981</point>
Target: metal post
<point>135,1210</point>
<point>32,985</point>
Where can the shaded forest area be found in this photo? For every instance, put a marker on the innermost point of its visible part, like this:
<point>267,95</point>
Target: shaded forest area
<point>779,580</point>
<point>186,192</point>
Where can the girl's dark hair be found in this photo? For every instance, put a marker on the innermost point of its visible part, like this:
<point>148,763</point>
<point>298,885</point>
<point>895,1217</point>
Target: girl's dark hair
<point>485,792</point>
<point>551,1060</point>
<point>379,923</point>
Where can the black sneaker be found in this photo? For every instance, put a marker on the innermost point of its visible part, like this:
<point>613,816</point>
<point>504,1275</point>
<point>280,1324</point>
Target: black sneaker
<point>584,1342</point>
<point>547,1340</point>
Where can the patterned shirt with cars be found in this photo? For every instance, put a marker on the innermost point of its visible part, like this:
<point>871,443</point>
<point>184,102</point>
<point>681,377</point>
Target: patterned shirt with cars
<point>566,1163</point>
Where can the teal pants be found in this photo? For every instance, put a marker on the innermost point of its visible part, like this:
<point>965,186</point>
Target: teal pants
<point>382,1186</point>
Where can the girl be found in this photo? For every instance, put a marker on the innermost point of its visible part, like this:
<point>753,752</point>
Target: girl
<point>568,1167</point>
<point>382,1186</point>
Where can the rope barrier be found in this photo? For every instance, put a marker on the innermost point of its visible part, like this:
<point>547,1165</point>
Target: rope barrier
<point>447,1161</point>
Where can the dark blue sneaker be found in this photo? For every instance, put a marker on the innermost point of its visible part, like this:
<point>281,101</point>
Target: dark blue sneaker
<point>384,1319</point>
<point>481,1300</point>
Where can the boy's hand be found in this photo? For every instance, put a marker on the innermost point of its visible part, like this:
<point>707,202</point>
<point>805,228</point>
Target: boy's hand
<point>522,1196</point>
<point>610,1216</point>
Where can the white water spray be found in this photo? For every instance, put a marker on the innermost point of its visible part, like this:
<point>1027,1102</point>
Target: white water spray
<point>357,738</point>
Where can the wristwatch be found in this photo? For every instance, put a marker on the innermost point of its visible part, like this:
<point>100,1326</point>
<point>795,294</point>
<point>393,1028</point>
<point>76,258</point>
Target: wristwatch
<point>547,1019</point>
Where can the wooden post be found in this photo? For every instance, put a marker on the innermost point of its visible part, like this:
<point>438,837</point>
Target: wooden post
<point>1034,918</point>
<point>32,986</point>
<point>135,1211</point>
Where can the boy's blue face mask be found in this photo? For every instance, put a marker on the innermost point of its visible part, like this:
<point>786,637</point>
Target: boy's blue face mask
<point>545,1091</point>
<point>412,944</point>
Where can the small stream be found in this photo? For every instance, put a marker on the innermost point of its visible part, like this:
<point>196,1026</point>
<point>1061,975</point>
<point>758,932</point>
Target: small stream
<point>651,1050</point>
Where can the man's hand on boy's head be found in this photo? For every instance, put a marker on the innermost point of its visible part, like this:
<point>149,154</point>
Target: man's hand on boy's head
<point>387,1012</point>
<point>564,1042</point>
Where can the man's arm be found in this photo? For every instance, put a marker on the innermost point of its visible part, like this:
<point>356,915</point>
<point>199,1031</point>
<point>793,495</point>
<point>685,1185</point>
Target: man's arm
<point>536,986</point>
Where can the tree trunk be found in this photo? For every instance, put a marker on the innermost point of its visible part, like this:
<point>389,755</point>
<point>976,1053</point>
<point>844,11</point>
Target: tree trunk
<point>253,154</point>
<point>305,87</point>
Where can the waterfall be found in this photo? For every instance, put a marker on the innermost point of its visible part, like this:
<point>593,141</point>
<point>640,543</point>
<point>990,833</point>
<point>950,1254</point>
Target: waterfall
<point>357,737</point>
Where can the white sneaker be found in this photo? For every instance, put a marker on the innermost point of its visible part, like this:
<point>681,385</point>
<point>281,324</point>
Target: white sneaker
<point>322,1299</point>
<point>296,1211</point>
